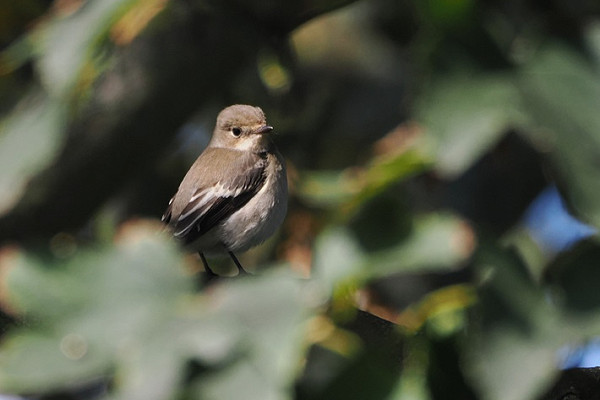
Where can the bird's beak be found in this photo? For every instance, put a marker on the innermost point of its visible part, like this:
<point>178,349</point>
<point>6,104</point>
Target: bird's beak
<point>264,129</point>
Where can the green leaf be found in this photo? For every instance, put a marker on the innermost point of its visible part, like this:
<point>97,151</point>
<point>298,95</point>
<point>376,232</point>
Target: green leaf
<point>35,361</point>
<point>89,312</point>
<point>17,54</point>
<point>271,330</point>
<point>68,43</point>
<point>560,90</point>
<point>385,171</point>
<point>327,188</point>
<point>352,188</point>
<point>573,279</point>
<point>130,310</point>
<point>576,278</point>
<point>466,115</point>
<point>338,256</point>
<point>518,332</point>
<point>437,241</point>
<point>30,138</point>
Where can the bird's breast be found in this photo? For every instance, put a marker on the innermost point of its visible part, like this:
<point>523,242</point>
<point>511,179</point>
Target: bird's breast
<point>258,219</point>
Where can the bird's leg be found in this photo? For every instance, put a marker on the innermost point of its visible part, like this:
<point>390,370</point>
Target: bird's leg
<point>241,270</point>
<point>209,271</point>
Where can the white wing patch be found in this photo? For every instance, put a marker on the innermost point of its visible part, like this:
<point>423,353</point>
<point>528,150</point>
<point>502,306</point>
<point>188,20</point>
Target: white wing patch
<point>208,206</point>
<point>204,199</point>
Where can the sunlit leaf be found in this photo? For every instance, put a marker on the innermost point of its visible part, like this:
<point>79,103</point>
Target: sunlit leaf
<point>443,310</point>
<point>352,188</point>
<point>135,20</point>
<point>386,171</point>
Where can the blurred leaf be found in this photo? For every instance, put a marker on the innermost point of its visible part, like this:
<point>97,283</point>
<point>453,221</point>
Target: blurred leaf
<point>365,377</point>
<point>352,188</point>
<point>70,42</point>
<point>271,329</point>
<point>413,381</point>
<point>31,136</point>
<point>466,115</point>
<point>327,188</point>
<point>577,278</point>
<point>371,370</point>
<point>383,222</point>
<point>448,13</point>
<point>437,241</point>
<point>443,310</point>
<point>17,54</point>
<point>131,309</point>
<point>560,90</point>
<point>446,368</point>
<point>352,45</point>
<point>102,302</point>
<point>337,256</point>
<point>386,171</point>
<point>37,361</point>
<point>29,141</point>
<point>528,250</point>
<point>518,332</point>
<point>135,20</point>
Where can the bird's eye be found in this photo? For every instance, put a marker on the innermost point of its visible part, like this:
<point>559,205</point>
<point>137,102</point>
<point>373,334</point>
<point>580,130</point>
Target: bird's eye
<point>236,131</point>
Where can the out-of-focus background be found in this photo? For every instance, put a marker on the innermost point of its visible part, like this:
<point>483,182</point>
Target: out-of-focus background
<point>444,165</point>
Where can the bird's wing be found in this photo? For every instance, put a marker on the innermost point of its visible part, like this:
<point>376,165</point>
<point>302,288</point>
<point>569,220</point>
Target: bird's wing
<point>166,217</point>
<point>211,204</point>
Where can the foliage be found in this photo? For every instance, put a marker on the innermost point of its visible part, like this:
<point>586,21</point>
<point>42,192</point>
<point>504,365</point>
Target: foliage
<point>417,134</point>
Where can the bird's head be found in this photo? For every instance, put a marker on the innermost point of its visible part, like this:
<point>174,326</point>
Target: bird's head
<point>242,127</point>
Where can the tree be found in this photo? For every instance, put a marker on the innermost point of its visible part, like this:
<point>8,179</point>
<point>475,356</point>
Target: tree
<point>417,135</point>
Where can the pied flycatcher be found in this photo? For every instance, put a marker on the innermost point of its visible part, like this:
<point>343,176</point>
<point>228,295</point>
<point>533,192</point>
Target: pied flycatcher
<point>235,195</point>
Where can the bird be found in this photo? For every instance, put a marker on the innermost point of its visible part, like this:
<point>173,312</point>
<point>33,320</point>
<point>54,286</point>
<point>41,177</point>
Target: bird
<point>234,196</point>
